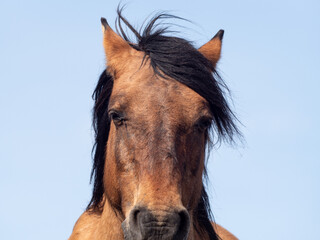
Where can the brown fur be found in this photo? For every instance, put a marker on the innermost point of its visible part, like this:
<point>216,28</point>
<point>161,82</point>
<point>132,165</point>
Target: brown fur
<point>85,229</point>
<point>155,157</point>
<point>223,233</point>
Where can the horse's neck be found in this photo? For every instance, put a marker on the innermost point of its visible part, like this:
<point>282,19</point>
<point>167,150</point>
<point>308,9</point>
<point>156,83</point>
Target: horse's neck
<point>110,224</point>
<point>194,235</point>
<point>98,226</point>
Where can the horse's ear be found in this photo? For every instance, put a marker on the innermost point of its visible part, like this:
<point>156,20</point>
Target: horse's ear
<point>212,49</point>
<point>117,50</point>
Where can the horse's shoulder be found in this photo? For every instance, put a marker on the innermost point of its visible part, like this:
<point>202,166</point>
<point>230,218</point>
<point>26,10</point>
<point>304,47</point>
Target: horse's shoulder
<point>84,227</point>
<point>223,233</point>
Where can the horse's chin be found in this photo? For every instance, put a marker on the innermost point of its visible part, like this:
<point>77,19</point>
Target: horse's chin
<point>134,235</point>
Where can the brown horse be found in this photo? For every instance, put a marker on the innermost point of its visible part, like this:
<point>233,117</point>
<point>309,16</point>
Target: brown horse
<point>155,105</point>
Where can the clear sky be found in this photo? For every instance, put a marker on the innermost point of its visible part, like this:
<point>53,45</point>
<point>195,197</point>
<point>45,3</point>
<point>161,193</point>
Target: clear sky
<point>51,56</point>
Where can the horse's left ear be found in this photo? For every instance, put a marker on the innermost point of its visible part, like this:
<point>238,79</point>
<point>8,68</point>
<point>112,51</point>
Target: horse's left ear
<point>212,49</point>
<point>117,50</point>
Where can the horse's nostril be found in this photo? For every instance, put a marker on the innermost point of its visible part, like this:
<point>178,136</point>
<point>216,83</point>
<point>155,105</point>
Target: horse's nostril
<point>184,225</point>
<point>135,215</point>
<point>134,219</point>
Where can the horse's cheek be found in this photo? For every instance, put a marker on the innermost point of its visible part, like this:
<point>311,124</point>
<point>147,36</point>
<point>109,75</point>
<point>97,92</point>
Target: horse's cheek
<point>111,183</point>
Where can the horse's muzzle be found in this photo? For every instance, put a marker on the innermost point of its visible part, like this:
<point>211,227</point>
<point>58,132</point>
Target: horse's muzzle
<point>143,224</point>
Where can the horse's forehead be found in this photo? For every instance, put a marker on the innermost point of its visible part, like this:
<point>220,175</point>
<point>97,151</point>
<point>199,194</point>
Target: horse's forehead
<point>144,87</point>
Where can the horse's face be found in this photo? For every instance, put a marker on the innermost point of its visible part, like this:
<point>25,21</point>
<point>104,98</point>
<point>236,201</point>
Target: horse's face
<point>156,146</point>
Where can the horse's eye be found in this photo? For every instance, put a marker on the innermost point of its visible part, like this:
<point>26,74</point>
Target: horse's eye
<point>116,117</point>
<point>203,124</point>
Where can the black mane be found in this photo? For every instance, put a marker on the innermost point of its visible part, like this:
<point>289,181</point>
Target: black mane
<point>178,59</point>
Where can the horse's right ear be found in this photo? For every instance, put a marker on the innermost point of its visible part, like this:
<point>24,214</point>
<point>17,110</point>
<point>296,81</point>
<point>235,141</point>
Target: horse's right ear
<point>117,50</point>
<point>212,49</point>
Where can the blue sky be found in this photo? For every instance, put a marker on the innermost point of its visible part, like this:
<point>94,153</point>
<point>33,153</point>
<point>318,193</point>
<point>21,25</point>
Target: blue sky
<point>51,57</point>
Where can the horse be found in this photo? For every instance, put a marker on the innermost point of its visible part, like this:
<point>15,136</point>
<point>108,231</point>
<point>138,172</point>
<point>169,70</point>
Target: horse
<point>158,105</point>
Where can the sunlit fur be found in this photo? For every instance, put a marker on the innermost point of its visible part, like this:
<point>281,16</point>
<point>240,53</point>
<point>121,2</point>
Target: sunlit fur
<point>168,90</point>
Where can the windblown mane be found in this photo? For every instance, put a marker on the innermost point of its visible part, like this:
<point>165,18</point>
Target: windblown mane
<point>175,58</point>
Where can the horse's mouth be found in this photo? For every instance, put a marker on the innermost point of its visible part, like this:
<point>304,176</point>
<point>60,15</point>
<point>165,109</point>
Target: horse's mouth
<point>145,226</point>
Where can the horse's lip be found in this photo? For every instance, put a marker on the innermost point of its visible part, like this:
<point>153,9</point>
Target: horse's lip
<point>158,224</point>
